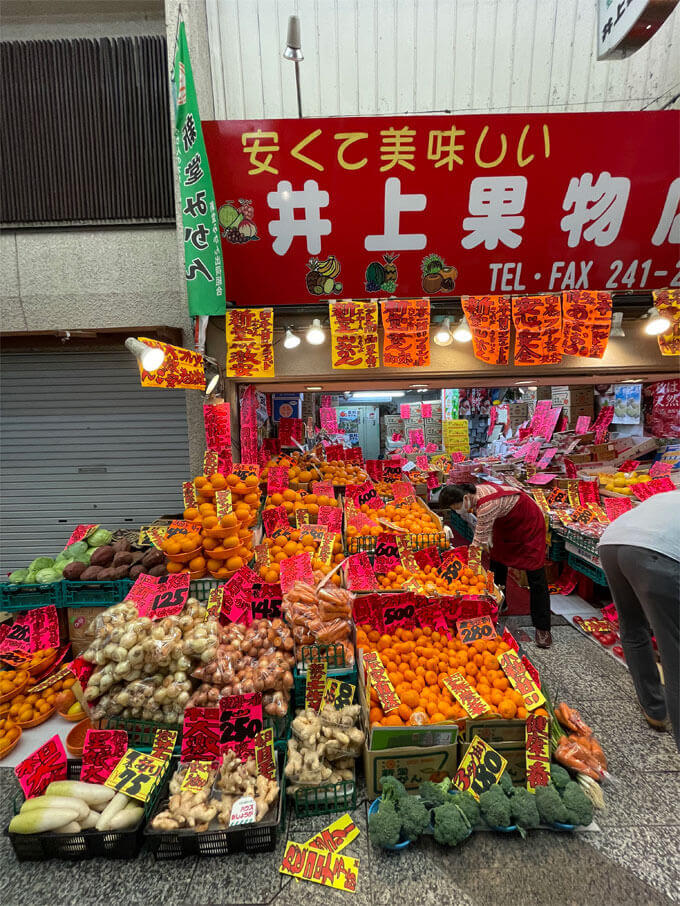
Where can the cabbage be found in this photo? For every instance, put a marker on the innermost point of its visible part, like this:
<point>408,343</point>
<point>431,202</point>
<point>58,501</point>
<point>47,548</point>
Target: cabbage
<point>47,575</point>
<point>30,577</point>
<point>41,563</point>
<point>78,547</point>
<point>99,537</point>
<point>19,575</point>
<point>87,556</point>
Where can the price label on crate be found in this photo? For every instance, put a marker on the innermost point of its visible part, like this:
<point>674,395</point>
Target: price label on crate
<point>386,553</point>
<point>467,697</point>
<point>480,768</point>
<point>136,775</point>
<point>331,517</point>
<point>240,723</point>
<point>211,462</point>
<point>336,836</point>
<point>520,680</point>
<point>338,693</point>
<point>265,759</point>
<point>537,751</point>
<point>380,681</point>
<point>331,869</point>
<point>160,596</point>
<point>81,532</point>
<point>359,573</point>
<point>266,601</point>
<point>201,734</point>
<point>196,776</point>
<point>315,685</point>
<point>399,611</point>
<point>163,744</point>
<point>46,764</point>
<point>475,629</point>
<point>102,750</point>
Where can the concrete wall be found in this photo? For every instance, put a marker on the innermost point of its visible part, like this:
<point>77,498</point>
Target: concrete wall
<point>94,277</point>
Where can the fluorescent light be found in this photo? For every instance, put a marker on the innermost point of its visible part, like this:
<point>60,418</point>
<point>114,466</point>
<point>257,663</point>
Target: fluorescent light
<point>377,395</point>
<point>519,383</point>
<point>533,389</point>
<point>212,383</point>
<point>149,357</point>
<point>462,333</point>
<point>632,381</point>
<point>657,323</point>
<point>291,340</point>
<point>443,336</point>
<point>414,386</point>
<point>316,334</point>
<point>313,388</point>
<point>616,328</point>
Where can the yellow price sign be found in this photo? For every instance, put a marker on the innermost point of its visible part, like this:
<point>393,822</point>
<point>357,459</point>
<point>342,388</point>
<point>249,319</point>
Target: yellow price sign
<point>338,693</point>
<point>136,775</point>
<point>316,685</point>
<point>480,768</point>
<point>196,776</point>
<point>336,836</point>
<point>327,868</point>
<point>465,695</point>
<point>520,680</point>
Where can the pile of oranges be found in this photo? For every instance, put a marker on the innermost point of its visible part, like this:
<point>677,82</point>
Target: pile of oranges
<point>410,516</point>
<point>297,542</point>
<point>417,662</point>
<point>432,583</point>
<point>300,469</point>
<point>31,708</point>
<point>342,473</point>
<point>297,500</point>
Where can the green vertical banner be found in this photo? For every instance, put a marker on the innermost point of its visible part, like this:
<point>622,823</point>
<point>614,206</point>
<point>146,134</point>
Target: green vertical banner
<point>202,248</point>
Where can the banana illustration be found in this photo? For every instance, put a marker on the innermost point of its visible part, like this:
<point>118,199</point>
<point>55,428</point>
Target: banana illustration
<point>329,267</point>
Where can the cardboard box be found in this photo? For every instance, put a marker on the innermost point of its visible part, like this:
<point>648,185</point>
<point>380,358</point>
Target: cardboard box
<point>576,395</point>
<point>79,619</point>
<point>411,765</point>
<point>508,737</point>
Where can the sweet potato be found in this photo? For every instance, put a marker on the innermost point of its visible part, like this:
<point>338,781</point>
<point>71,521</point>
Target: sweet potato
<point>102,556</point>
<point>158,570</point>
<point>73,571</point>
<point>135,571</point>
<point>121,546</point>
<point>152,558</point>
<point>121,572</point>
<point>92,572</point>
<point>122,558</point>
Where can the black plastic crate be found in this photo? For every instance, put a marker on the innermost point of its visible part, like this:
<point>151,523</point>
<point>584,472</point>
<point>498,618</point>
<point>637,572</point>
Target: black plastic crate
<point>140,732</point>
<point>325,800</point>
<point>248,838</point>
<point>87,844</point>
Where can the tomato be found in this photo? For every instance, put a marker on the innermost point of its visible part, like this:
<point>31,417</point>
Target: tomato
<point>605,638</point>
<point>618,651</point>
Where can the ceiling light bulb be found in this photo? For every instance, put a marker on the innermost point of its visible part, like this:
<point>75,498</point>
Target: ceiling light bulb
<point>533,389</point>
<point>657,323</point>
<point>316,335</point>
<point>291,340</point>
<point>616,328</point>
<point>443,336</point>
<point>212,383</point>
<point>149,357</point>
<point>462,333</point>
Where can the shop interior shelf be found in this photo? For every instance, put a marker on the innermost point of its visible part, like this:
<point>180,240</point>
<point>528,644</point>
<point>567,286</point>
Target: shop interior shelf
<point>14,598</point>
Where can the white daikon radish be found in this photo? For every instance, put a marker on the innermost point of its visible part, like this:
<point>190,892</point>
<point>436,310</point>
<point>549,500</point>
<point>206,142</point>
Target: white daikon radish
<point>130,816</point>
<point>90,820</point>
<point>117,804</point>
<point>71,828</point>
<point>69,802</point>
<point>92,793</point>
<point>38,820</point>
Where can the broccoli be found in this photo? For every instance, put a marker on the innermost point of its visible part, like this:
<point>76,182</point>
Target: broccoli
<point>495,806</point>
<point>550,806</point>
<point>450,824</point>
<point>384,825</point>
<point>414,817</point>
<point>469,806</point>
<point>559,776</point>
<point>393,790</point>
<point>523,810</point>
<point>578,805</point>
<point>505,781</point>
<point>434,794</point>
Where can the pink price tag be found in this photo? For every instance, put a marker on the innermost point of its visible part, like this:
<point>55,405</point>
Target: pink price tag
<point>359,573</point>
<point>422,463</point>
<point>457,457</point>
<point>416,437</point>
<point>541,478</point>
<point>432,481</point>
<point>582,424</point>
<point>81,532</point>
<point>531,670</point>
<point>630,465</point>
<point>236,595</point>
<point>36,630</point>
<point>328,419</point>
<point>533,449</point>
<point>404,410</point>
<point>294,569</point>
<point>401,489</point>
<point>277,479</point>
<point>275,518</point>
<point>331,517</point>
<point>657,486</point>
<point>396,437</point>
<point>407,448</point>
<point>398,611</point>
<point>201,734</point>
<point>510,640</point>
<point>426,410</point>
<point>102,750</point>
<point>430,613</point>
<point>658,469</point>
<point>570,468</point>
<point>323,488</point>
<point>325,402</point>
<point>240,723</point>
<point>546,458</point>
<point>366,493</point>
<point>386,553</point>
<point>46,764</point>
<point>82,670</point>
<point>430,448</point>
<point>217,419</point>
<point>160,596</point>
<point>429,556</point>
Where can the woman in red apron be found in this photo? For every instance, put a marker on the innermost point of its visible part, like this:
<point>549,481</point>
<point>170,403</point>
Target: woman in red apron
<point>512,527</point>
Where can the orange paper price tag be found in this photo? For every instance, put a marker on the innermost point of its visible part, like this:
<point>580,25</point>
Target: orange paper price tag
<point>472,703</point>
<point>379,680</point>
<point>520,680</point>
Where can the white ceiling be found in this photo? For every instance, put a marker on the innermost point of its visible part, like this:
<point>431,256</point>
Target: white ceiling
<point>414,56</point>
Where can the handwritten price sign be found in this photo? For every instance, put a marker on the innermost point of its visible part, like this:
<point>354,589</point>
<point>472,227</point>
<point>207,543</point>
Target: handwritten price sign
<point>81,532</point>
<point>475,629</point>
<point>266,602</point>
<point>265,760</point>
<point>201,735</point>
<point>36,630</point>
<point>520,680</point>
<point>102,750</point>
<point>136,775</point>
<point>338,693</point>
<point>359,572</point>
<point>327,868</point>
<point>480,768</point>
<point>465,695</point>
<point>316,685</point>
<point>46,764</point>
<point>240,723</point>
<point>160,596</point>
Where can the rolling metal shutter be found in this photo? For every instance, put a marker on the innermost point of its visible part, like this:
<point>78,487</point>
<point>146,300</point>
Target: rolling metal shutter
<point>81,442</point>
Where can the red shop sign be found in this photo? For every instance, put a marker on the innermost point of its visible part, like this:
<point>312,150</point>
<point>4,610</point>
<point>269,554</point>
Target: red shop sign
<point>431,205</point>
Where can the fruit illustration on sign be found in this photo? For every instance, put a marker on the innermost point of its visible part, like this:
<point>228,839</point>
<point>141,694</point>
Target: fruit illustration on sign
<point>438,277</point>
<point>382,275</point>
<point>236,221</point>
<point>321,276</point>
